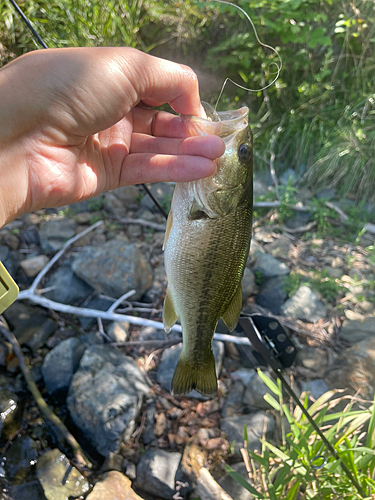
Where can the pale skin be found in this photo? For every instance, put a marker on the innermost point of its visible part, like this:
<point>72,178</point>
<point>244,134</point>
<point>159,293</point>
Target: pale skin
<point>74,123</point>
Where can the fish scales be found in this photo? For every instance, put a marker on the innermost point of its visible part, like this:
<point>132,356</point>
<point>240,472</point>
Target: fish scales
<point>206,248</point>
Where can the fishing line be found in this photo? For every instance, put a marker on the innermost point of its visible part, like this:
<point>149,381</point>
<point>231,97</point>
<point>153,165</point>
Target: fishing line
<point>278,65</point>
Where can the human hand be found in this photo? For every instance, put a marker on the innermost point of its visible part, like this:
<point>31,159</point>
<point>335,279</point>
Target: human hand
<point>71,126</point>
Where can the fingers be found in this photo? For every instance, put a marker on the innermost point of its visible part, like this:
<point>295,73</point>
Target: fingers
<point>141,168</point>
<point>158,123</point>
<point>210,147</point>
<point>82,91</point>
<point>158,81</point>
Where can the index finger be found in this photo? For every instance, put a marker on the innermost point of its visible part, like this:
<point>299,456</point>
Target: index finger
<point>158,81</point>
<point>158,123</point>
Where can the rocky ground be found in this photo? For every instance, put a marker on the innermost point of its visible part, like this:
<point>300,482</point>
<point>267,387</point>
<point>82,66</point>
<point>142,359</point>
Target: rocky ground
<point>109,382</point>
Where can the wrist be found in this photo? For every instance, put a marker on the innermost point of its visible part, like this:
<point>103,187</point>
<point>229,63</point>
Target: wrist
<point>13,185</point>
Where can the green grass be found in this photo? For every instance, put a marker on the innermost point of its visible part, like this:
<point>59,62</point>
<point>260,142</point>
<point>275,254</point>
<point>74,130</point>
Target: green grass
<point>300,465</point>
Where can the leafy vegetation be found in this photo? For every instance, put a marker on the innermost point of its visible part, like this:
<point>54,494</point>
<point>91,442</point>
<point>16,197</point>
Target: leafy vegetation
<point>301,466</point>
<point>324,97</point>
<point>318,117</point>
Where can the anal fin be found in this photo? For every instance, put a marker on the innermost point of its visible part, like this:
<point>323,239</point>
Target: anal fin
<point>231,315</point>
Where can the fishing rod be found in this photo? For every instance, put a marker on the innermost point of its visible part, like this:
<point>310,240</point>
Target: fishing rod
<point>267,336</point>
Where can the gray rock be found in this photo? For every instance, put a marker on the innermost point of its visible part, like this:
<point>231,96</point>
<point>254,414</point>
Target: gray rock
<point>114,268</point>
<point>272,294</point>
<point>243,375</point>
<point>325,194</point>
<point>148,435</point>
<point>255,248</point>
<point>313,359</point>
<point>128,195</point>
<point>288,176</point>
<point>354,370</point>
<point>151,333</point>
<point>90,205</point>
<point>60,364</point>
<point>68,288</point>
<point>10,409</point>
<point>169,360</point>
<point>27,490</point>
<point>334,272</point>
<point>9,259</point>
<point>358,329</point>
<point>233,403</point>
<point>304,305</point>
<point>20,457</point>
<point>33,265</point>
<point>255,391</point>
<point>298,219</point>
<point>30,236</point>
<point>158,472</point>
<point>232,487</point>
<point>106,396</point>
<point>118,331</point>
<point>268,266</point>
<point>281,247</point>
<point>10,239</point>
<point>35,331</point>
<point>248,284</point>
<point>98,303</point>
<point>147,214</point>
<point>263,235</point>
<point>134,231</point>
<point>113,205</point>
<point>256,424</point>
<point>59,479</point>
<point>55,233</point>
<point>316,387</point>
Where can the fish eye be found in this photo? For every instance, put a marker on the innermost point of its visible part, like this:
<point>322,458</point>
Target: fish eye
<point>244,152</point>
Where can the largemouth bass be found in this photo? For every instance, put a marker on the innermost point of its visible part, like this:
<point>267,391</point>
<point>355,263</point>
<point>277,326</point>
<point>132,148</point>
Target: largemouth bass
<point>206,246</point>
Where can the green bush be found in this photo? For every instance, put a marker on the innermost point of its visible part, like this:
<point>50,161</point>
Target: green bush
<point>324,98</point>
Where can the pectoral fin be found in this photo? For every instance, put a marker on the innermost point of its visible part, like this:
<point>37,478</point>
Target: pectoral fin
<point>231,315</point>
<point>168,228</point>
<point>196,212</point>
<point>169,314</point>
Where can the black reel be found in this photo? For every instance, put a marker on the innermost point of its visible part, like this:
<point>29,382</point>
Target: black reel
<point>271,343</point>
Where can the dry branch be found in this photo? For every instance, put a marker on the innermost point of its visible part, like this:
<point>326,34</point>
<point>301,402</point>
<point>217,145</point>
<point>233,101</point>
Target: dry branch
<point>57,425</point>
<point>34,296</point>
<point>208,488</point>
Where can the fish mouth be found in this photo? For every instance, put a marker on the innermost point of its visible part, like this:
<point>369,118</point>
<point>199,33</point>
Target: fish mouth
<point>229,122</point>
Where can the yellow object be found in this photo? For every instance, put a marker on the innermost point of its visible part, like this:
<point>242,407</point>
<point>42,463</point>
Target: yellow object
<point>8,289</point>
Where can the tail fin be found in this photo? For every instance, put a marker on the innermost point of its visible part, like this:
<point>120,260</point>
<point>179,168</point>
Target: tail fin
<point>189,375</point>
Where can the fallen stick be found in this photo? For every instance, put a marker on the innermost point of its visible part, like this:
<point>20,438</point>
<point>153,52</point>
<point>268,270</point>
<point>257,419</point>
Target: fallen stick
<point>46,411</point>
<point>33,295</point>
<point>141,222</point>
<point>208,488</point>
